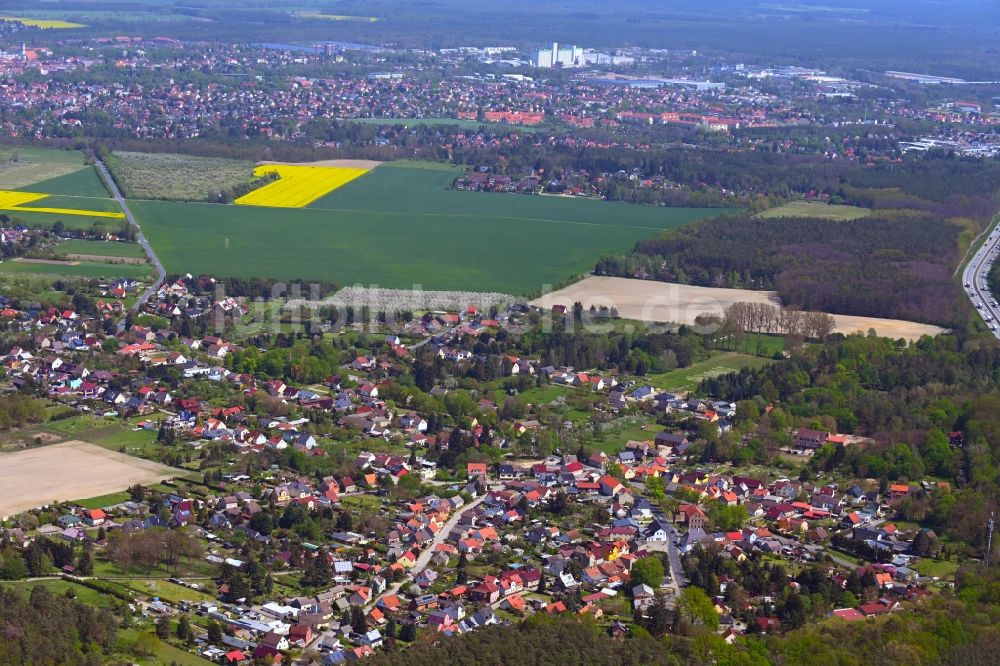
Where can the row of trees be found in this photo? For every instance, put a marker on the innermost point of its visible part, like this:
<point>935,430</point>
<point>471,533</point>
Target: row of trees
<point>750,317</point>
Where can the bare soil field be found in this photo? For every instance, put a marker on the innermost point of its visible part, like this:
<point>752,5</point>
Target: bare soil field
<point>68,471</point>
<point>349,164</point>
<point>54,262</point>
<point>646,300</point>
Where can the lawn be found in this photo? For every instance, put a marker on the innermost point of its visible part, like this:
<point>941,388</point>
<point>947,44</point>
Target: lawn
<point>398,227</point>
<point>102,501</point>
<point>177,177</point>
<point>165,652</point>
<point>687,379</point>
<point>78,269</point>
<point>944,569</point>
<point>101,249</point>
<point>108,433</point>
<point>806,209</point>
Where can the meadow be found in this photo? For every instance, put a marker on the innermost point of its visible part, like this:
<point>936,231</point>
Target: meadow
<point>398,226</point>
<point>824,211</point>
<point>720,363</point>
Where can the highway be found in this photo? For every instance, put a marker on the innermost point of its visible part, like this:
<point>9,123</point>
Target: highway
<point>116,193</point>
<point>974,281</point>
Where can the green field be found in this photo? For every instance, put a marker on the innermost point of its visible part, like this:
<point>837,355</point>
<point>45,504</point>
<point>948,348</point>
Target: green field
<point>101,248</point>
<point>687,379</point>
<point>96,203</point>
<point>81,269</point>
<point>806,209</point>
<point>52,155</point>
<point>83,182</point>
<point>46,220</point>
<point>76,202</point>
<point>398,226</point>
<point>49,172</point>
<point>103,501</point>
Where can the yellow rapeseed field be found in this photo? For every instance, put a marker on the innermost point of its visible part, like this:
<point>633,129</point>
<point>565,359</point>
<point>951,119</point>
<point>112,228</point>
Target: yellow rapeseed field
<point>297,186</point>
<point>47,24</point>
<point>10,200</point>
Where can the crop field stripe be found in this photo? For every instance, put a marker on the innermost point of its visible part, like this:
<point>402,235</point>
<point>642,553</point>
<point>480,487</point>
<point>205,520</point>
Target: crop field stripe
<point>67,211</point>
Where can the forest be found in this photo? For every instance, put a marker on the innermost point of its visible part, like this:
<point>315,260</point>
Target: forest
<point>42,628</point>
<point>891,266</point>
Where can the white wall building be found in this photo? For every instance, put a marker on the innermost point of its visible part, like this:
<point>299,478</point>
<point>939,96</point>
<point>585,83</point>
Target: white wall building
<point>558,56</point>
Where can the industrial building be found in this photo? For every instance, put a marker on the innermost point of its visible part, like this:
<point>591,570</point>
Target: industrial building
<point>558,56</point>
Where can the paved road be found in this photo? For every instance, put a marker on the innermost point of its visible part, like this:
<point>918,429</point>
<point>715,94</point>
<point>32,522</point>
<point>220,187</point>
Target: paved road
<point>974,280</point>
<point>116,193</point>
<point>425,555</point>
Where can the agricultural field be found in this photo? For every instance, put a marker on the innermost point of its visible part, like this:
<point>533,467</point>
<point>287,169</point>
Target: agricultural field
<point>50,155</point>
<point>68,471</point>
<point>17,175</point>
<point>111,250</point>
<point>45,24</point>
<point>399,226</point>
<point>88,269</point>
<point>25,202</point>
<point>49,171</point>
<point>177,177</point>
<point>825,211</point>
<point>83,182</point>
<point>298,185</point>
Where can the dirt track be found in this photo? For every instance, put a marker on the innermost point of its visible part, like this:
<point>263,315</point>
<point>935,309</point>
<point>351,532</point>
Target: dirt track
<point>69,471</point>
<point>56,262</point>
<point>645,300</point>
<point>105,259</point>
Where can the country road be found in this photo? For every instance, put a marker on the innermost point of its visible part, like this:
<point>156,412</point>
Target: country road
<point>974,280</point>
<point>116,193</point>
